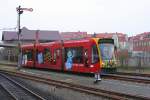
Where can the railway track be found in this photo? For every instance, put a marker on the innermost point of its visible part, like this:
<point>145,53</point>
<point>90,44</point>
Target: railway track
<point>4,94</point>
<point>84,89</point>
<point>16,90</point>
<point>129,77</point>
<point>133,74</point>
<point>8,64</point>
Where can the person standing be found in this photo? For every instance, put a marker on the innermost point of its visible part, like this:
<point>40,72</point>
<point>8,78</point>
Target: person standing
<point>97,77</point>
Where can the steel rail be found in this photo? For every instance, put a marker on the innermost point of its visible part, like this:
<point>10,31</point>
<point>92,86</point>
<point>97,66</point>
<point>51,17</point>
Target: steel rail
<point>120,73</point>
<point>13,97</point>
<point>117,77</point>
<point>133,74</point>
<point>23,87</point>
<point>126,78</point>
<point>89,90</point>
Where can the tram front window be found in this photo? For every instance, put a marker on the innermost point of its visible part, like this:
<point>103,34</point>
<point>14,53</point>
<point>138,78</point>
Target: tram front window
<point>107,51</point>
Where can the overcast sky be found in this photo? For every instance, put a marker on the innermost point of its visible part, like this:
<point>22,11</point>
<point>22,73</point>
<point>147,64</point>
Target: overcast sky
<point>126,16</point>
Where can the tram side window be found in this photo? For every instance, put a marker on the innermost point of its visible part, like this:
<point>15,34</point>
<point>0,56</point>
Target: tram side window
<point>47,55</point>
<point>58,53</point>
<point>95,57</point>
<point>74,55</point>
<point>29,55</point>
<point>39,57</point>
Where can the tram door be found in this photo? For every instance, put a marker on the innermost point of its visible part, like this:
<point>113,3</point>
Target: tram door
<point>39,59</point>
<point>74,59</point>
<point>27,57</point>
<point>56,59</point>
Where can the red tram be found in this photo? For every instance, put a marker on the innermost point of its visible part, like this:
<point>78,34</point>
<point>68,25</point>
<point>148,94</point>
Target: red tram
<point>83,56</point>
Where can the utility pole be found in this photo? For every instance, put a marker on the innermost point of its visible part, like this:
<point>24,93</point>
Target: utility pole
<point>20,11</point>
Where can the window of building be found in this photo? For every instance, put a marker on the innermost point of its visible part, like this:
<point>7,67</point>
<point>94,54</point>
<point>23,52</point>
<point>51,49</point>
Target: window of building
<point>140,43</point>
<point>134,44</point>
<point>144,43</point>
<point>137,44</point>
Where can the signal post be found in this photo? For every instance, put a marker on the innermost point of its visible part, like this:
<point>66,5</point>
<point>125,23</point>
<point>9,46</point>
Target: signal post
<point>19,12</point>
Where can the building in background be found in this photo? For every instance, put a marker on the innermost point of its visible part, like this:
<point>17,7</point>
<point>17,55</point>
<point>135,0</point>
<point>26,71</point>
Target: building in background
<point>120,39</point>
<point>139,47</point>
<point>27,36</point>
<point>73,35</point>
<point>131,51</point>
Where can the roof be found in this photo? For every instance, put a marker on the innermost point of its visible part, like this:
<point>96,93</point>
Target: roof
<point>121,37</point>
<point>73,35</point>
<point>139,37</point>
<point>8,45</point>
<point>27,34</point>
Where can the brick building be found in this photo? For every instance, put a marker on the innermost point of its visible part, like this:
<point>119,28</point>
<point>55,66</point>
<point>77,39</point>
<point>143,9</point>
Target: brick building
<point>140,48</point>
<point>73,35</point>
<point>120,39</point>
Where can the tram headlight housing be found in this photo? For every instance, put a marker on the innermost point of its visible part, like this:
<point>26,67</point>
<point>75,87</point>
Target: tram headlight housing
<point>103,64</point>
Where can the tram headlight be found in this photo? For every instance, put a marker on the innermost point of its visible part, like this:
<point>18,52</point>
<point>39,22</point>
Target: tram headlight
<point>103,64</point>
<point>91,66</point>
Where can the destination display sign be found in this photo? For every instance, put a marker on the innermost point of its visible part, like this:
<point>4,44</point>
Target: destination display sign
<point>105,40</point>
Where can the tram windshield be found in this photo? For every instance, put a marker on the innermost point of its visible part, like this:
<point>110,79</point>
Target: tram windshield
<point>107,51</point>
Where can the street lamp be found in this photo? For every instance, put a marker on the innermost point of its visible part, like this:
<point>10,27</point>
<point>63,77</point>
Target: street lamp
<point>20,11</point>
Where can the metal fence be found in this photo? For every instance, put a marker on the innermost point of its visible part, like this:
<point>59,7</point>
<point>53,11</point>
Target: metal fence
<point>135,59</point>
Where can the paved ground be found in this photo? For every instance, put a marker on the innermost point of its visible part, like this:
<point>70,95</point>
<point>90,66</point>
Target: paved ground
<point>107,84</point>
